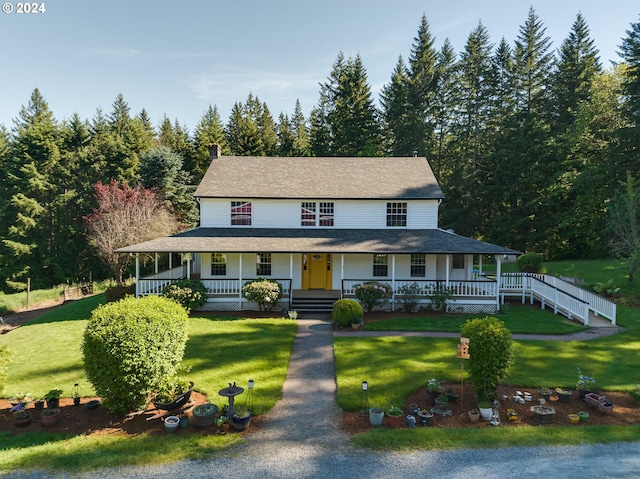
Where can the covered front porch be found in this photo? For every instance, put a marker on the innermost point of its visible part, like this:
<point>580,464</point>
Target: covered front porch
<point>313,281</point>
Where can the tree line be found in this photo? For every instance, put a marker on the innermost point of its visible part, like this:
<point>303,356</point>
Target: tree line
<point>534,148</point>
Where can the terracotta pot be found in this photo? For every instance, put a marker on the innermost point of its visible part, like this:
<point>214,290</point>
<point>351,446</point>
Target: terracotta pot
<point>49,417</point>
<point>474,416</point>
<point>395,422</point>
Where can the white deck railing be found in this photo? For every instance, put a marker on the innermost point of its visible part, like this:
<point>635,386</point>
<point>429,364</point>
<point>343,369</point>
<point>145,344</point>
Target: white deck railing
<point>561,295</point>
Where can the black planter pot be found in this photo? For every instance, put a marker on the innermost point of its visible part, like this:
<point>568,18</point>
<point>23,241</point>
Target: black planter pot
<point>240,423</point>
<point>53,403</point>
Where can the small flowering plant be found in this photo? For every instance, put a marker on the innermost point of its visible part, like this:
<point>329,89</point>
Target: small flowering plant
<point>585,382</point>
<point>433,385</point>
<point>373,293</point>
<point>264,292</point>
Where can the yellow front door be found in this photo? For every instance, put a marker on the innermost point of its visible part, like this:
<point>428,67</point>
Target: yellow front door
<point>316,272</point>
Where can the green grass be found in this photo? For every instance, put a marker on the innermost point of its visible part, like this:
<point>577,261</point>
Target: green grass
<point>47,354</point>
<point>11,303</point>
<point>396,366</point>
<point>524,319</point>
<point>490,437</point>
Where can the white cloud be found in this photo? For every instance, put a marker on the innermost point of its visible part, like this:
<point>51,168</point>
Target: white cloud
<point>113,54</point>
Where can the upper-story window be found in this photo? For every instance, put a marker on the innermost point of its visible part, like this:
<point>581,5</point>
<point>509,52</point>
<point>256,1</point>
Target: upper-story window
<point>396,214</point>
<point>316,214</point>
<point>418,265</point>
<point>241,213</point>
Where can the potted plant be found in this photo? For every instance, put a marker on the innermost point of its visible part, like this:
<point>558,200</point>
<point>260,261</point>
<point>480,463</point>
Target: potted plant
<point>376,415</point>
<point>394,413</point>
<point>24,398</point>
<point>585,385</point>
<point>544,392</point>
<point>203,414</point>
<point>474,415</point>
<point>50,416</point>
<point>241,419</point>
<point>53,398</point>
<point>451,395</point>
<point>442,402</point>
<point>171,423</point>
<point>425,417</point>
<point>173,394</point>
<point>563,395</point>
<point>485,410</point>
<point>433,390</point>
<point>21,416</point>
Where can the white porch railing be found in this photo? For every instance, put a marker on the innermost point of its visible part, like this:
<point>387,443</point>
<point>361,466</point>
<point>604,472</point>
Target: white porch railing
<point>481,291</point>
<point>565,297</point>
<point>217,289</point>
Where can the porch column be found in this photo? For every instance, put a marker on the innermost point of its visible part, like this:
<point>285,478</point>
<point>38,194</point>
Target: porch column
<point>240,283</point>
<point>341,274</point>
<point>393,281</point>
<point>156,263</point>
<point>188,257</point>
<point>137,275</point>
<point>170,261</point>
<point>498,280</point>
<point>291,271</point>
<point>479,265</point>
<point>448,264</point>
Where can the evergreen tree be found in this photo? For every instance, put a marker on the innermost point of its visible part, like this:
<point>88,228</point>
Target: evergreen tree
<point>352,119</point>
<point>396,110</point>
<point>285,136</point>
<point>161,169</point>
<point>422,90</point>
<point>300,131</point>
<point>577,65</point>
<point>630,53</point>
<point>30,245</point>
<point>209,130</point>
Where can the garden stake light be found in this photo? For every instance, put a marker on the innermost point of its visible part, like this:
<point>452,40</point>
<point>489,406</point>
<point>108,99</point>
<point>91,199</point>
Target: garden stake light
<point>364,398</point>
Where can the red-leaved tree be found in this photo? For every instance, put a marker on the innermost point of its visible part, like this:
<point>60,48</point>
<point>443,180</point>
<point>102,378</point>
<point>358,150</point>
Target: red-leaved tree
<point>124,216</point>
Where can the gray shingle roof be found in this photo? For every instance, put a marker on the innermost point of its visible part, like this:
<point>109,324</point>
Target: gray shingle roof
<point>318,178</point>
<point>326,240</point>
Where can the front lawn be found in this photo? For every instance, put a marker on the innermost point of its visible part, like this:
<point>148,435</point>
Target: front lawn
<point>47,354</point>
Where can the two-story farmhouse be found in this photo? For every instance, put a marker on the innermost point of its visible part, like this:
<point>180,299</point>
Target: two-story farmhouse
<point>319,226</point>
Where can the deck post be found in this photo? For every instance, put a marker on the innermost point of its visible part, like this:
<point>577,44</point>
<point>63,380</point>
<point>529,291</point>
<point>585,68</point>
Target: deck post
<point>137,275</point>
<point>498,280</point>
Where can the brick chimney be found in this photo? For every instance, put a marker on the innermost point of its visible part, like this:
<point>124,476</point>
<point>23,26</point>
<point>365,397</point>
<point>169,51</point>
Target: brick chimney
<point>214,151</point>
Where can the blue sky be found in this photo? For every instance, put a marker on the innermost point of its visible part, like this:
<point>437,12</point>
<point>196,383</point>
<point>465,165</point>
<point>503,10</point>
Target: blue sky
<point>177,57</point>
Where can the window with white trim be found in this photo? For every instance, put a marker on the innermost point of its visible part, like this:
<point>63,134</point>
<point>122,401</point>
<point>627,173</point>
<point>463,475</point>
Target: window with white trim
<point>380,264</point>
<point>263,264</point>
<point>218,264</point>
<point>241,213</point>
<point>396,214</point>
<point>418,265</point>
<point>457,261</point>
<point>316,213</point>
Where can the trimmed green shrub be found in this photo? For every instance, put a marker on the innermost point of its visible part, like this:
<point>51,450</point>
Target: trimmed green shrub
<point>490,355</point>
<point>529,263</point>
<point>132,347</point>
<point>346,312</point>
<point>190,293</point>
<point>264,292</point>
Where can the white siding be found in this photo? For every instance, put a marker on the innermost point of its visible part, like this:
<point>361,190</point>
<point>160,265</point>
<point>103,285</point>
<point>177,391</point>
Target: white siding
<point>363,214</point>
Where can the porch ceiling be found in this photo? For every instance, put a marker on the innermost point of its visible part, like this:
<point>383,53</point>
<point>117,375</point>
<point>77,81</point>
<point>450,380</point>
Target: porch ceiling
<point>327,240</point>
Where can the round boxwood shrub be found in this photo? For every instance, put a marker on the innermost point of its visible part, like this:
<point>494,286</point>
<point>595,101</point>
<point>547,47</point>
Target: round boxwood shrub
<point>529,263</point>
<point>190,293</point>
<point>346,312</point>
<point>264,292</point>
<point>131,347</point>
<point>490,355</point>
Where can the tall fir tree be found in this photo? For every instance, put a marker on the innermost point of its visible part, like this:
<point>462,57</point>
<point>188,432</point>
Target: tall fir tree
<point>210,130</point>
<point>300,131</point>
<point>396,109</point>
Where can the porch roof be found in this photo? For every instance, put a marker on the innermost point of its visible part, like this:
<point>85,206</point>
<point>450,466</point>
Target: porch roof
<point>325,240</point>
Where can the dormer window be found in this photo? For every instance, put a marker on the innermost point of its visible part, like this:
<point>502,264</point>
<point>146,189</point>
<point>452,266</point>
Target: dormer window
<point>240,213</point>
<point>316,213</point>
<point>396,214</point>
